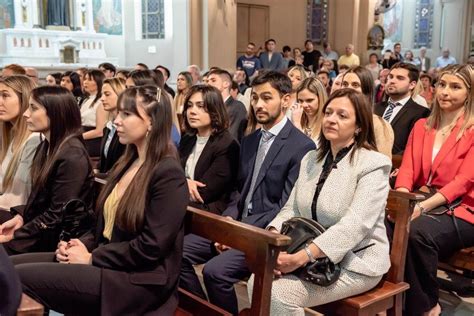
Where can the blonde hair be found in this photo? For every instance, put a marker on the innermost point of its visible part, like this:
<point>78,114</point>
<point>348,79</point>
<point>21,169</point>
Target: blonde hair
<point>315,86</point>
<point>299,68</point>
<point>418,89</point>
<point>466,74</point>
<point>117,84</point>
<point>15,133</point>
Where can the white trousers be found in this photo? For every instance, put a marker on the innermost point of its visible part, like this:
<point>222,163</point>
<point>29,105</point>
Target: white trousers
<point>290,295</point>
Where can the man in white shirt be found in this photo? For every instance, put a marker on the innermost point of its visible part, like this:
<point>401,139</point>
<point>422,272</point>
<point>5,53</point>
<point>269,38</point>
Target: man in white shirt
<point>400,110</point>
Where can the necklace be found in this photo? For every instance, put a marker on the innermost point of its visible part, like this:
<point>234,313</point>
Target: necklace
<point>445,130</point>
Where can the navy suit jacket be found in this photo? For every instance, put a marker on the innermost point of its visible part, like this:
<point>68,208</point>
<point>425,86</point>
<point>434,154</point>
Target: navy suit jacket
<point>277,175</point>
<point>403,122</point>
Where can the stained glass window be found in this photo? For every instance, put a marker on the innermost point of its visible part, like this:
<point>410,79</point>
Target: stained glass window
<point>423,23</point>
<point>153,19</point>
<point>317,21</point>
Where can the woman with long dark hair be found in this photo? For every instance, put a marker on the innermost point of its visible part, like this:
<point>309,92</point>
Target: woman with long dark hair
<point>60,171</point>
<point>131,263</point>
<point>346,165</point>
<point>360,79</point>
<point>209,153</point>
<point>72,81</point>
<point>93,115</point>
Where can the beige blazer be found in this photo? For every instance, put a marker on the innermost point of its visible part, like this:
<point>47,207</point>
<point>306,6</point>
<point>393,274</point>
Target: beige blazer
<point>351,206</point>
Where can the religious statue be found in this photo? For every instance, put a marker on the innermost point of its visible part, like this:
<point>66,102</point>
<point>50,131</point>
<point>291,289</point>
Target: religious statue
<point>57,12</point>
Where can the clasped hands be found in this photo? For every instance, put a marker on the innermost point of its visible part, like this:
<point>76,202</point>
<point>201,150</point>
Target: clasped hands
<point>8,228</point>
<point>74,252</point>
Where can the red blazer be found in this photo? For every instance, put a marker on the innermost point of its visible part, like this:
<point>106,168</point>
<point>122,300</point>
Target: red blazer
<point>453,171</point>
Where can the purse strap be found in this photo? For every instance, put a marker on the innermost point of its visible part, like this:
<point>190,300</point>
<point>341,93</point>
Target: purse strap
<point>329,164</point>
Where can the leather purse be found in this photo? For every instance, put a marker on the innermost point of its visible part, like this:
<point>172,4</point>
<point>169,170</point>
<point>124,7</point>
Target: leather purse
<point>77,219</point>
<point>303,231</point>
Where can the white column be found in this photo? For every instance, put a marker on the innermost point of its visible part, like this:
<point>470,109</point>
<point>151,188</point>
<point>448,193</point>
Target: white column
<point>79,9</point>
<point>89,17</point>
<point>34,13</point>
<point>18,8</point>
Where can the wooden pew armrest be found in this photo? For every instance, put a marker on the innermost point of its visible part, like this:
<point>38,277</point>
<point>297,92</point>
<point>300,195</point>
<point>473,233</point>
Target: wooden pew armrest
<point>225,230</point>
<point>29,307</point>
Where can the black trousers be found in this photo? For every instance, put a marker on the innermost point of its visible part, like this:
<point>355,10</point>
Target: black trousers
<point>72,289</point>
<point>220,273</point>
<point>432,237</point>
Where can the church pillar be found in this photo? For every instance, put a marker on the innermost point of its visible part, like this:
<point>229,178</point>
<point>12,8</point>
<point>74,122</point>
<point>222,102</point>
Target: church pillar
<point>196,32</point>
<point>35,13</point>
<point>89,17</point>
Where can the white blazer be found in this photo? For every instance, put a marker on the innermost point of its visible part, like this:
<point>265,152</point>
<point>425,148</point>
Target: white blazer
<point>351,206</point>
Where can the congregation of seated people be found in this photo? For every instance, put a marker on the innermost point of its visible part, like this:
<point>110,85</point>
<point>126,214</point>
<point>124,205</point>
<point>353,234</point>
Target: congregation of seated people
<point>302,133</point>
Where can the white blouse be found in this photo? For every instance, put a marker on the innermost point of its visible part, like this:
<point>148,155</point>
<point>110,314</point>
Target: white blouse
<point>20,189</point>
<point>88,112</point>
<point>194,156</point>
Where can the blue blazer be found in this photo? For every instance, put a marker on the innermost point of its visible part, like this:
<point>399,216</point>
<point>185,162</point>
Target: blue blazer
<point>276,63</point>
<point>277,175</point>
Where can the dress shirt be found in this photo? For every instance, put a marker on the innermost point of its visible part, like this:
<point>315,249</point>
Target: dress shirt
<point>396,109</point>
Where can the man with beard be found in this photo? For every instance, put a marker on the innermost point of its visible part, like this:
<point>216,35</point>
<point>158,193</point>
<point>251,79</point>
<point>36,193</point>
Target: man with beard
<point>269,166</point>
<point>249,62</point>
<point>400,110</point>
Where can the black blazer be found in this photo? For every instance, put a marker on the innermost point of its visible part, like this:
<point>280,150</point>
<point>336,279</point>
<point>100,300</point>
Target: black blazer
<point>10,285</point>
<point>217,168</point>
<point>237,117</point>
<point>141,270</point>
<point>403,122</point>
<point>277,175</point>
<point>116,149</point>
<point>70,178</point>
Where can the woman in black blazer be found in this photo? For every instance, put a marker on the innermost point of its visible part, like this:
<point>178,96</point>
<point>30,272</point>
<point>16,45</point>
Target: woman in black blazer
<point>209,154</point>
<point>110,148</point>
<point>130,264</point>
<point>60,171</point>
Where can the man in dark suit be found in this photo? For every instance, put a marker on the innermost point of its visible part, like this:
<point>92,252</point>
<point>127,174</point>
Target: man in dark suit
<point>222,80</point>
<point>269,166</point>
<point>400,110</point>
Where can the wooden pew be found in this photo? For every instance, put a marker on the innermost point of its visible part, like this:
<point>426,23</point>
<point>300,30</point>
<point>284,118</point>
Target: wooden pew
<point>387,295</point>
<point>463,260</point>
<point>261,250</point>
<point>29,307</point>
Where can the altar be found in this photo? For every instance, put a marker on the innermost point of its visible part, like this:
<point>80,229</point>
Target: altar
<point>54,33</point>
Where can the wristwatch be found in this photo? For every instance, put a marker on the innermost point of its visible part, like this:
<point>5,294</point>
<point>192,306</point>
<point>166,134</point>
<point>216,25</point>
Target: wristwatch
<point>310,255</point>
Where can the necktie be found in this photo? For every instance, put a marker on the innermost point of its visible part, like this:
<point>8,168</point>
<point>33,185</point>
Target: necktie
<point>261,152</point>
<point>389,112</point>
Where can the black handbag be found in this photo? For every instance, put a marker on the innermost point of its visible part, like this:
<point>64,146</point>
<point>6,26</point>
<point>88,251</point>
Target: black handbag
<point>303,231</point>
<point>77,219</point>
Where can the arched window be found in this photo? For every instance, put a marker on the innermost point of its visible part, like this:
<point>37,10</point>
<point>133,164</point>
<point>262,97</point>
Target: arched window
<point>153,19</point>
<point>317,21</point>
<point>423,23</point>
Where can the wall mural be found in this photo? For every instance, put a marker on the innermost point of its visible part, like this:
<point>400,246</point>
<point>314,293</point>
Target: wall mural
<point>7,14</point>
<point>107,16</point>
<point>392,23</point>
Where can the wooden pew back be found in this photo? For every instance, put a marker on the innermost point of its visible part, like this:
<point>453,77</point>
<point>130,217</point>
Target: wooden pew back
<point>261,250</point>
